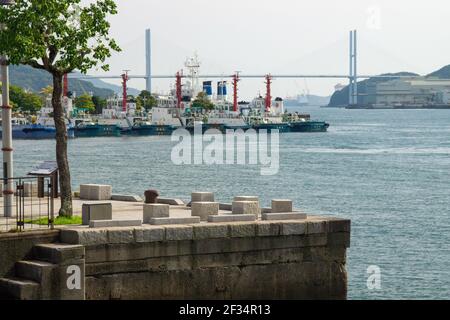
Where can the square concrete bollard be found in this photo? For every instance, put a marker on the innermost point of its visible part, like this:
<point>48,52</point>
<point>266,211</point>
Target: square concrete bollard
<point>84,191</point>
<point>96,211</point>
<point>246,198</point>
<point>30,189</point>
<point>100,192</point>
<point>202,197</point>
<point>245,207</point>
<point>205,209</point>
<point>155,210</point>
<point>281,205</point>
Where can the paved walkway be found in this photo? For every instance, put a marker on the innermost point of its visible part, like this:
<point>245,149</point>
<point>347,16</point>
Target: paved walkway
<point>121,210</point>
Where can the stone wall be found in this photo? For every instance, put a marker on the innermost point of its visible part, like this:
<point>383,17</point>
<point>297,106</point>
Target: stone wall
<point>302,259</point>
<point>18,246</point>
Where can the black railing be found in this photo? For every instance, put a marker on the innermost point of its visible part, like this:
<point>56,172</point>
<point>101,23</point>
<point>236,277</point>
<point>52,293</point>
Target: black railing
<point>31,207</point>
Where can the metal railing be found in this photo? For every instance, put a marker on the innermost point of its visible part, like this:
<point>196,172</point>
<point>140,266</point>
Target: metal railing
<point>32,206</point>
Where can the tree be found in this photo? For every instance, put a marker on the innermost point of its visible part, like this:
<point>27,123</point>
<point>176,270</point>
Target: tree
<point>24,101</point>
<point>85,102</point>
<point>58,36</point>
<point>100,103</point>
<point>202,102</point>
<point>146,100</point>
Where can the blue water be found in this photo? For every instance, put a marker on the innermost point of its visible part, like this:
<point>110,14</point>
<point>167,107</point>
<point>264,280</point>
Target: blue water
<point>386,170</point>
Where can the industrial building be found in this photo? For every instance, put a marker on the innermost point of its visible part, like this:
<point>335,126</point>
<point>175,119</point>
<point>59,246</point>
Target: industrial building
<point>407,93</point>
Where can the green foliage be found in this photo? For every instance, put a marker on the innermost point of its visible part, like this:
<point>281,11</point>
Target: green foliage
<point>85,102</point>
<point>202,102</point>
<point>58,35</point>
<point>59,221</point>
<point>99,103</point>
<point>24,101</point>
<point>146,100</point>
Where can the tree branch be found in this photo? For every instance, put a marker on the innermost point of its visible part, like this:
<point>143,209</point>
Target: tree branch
<point>35,64</point>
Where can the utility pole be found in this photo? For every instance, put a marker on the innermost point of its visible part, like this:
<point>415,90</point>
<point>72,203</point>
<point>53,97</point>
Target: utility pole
<point>7,147</point>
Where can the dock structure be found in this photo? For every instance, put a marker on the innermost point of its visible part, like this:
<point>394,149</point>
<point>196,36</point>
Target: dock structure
<point>162,251</point>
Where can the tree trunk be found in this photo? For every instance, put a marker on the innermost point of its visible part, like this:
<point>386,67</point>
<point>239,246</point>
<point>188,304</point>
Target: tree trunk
<point>61,147</point>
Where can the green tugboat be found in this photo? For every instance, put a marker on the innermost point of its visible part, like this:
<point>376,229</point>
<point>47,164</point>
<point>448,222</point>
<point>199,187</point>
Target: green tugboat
<point>303,123</point>
<point>92,129</point>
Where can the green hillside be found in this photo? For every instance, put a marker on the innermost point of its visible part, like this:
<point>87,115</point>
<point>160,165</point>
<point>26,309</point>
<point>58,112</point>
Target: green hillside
<point>34,80</point>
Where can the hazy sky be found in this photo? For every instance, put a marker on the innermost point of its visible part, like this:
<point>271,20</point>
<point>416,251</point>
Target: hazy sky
<point>282,36</point>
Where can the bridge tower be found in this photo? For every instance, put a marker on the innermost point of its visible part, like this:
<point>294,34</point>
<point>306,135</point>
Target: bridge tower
<point>148,61</point>
<point>353,75</point>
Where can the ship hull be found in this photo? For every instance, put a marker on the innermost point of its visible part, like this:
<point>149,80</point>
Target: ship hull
<point>150,130</point>
<point>36,132</point>
<point>97,131</point>
<point>309,126</point>
<point>281,127</point>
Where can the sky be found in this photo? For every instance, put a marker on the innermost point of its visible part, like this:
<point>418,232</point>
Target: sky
<point>282,36</point>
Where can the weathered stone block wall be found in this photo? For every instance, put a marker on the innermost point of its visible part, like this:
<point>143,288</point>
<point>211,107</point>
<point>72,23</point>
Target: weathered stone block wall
<point>302,259</point>
<point>18,246</point>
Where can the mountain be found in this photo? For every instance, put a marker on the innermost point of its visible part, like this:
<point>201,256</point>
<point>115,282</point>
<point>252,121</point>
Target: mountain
<point>443,73</point>
<point>35,80</point>
<point>117,89</point>
<point>341,98</point>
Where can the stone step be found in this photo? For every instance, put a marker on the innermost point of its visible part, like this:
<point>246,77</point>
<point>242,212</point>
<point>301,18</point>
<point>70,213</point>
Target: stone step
<point>39,271</point>
<point>58,252</point>
<point>20,289</point>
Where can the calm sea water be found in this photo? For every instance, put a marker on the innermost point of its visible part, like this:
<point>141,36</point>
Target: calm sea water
<point>386,170</point>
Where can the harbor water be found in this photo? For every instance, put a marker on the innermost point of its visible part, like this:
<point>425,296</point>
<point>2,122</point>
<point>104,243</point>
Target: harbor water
<point>386,170</point>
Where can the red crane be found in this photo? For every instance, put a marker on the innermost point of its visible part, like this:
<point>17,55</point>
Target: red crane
<point>178,89</point>
<point>236,79</point>
<point>125,79</point>
<point>268,92</point>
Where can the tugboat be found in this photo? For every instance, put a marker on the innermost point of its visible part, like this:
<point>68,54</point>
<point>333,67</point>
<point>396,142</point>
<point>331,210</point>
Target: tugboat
<point>303,123</point>
<point>87,129</point>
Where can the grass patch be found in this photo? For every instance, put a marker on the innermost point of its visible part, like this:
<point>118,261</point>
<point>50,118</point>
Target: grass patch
<point>59,221</point>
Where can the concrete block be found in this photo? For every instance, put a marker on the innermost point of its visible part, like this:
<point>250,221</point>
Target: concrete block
<point>30,189</point>
<point>338,225</point>
<point>242,230</point>
<point>155,210</point>
<point>246,207</point>
<point>268,229</point>
<point>58,252</point>
<point>121,235</point>
<point>225,206</point>
<point>170,201</point>
<point>169,221</point>
<point>100,192</point>
<point>85,236</point>
<point>149,234</point>
<point>314,227</point>
<point>293,228</point>
<point>281,205</point>
<point>1,189</point>
<point>126,198</point>
<point>284,216</point>
<point>246,198</point>
<point>96,211</point>
<point>114,223</point>
<point>205,209</point>
<point>84,191</point>
<point>202,197</point>
<point>232,218</point>
<point>179,233</point>
<point>266,210</point>
<point>210,231</point>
